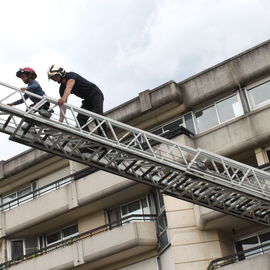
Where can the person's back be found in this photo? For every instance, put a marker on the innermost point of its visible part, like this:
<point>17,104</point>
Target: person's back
<point>72,83</point>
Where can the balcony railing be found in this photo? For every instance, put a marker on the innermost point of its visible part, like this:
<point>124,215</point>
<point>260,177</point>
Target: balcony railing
<point>79,237</point>
<point>239,256</point>
<point>45,189</point>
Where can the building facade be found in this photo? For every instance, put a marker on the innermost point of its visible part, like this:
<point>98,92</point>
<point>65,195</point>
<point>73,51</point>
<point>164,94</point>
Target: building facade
<point>59,214</point>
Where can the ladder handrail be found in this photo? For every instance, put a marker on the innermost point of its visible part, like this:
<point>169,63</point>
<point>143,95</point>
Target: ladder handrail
<point>144,155</point>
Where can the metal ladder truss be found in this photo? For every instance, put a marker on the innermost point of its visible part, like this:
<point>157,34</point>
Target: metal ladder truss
<point>193,175</point>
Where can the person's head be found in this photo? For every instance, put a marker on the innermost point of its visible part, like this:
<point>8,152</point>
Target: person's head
<point>56,73</point>
<point>27,74</point>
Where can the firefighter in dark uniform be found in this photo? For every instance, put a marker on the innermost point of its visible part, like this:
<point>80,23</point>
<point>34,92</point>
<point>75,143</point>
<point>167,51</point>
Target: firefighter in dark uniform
<point>73,83</point>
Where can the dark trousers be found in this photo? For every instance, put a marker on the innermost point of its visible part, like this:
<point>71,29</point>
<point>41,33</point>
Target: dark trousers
<point>93,104</point>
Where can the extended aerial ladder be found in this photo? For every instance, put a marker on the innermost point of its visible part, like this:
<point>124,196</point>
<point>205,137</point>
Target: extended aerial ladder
<point>193,175</point>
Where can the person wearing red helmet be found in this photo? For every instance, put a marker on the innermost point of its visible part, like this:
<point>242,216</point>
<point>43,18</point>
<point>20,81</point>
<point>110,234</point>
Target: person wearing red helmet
<point>28,76</point>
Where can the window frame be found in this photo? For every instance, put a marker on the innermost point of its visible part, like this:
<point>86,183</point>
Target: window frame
<point>9,251</point>
<point>61,234</point>
<point>18,202</point>
<point>257,235</point>
<point>250,103</point>
<point>214,104</point>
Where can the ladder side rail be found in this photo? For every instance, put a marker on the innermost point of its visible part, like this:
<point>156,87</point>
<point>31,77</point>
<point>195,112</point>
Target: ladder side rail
<point>149,136</point>
<point>205,175</point>
<point>187,191</point>
<point>112,145</point>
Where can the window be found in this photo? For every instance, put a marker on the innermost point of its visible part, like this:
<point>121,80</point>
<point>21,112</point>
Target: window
<point>259,95</point>
<point>17,251</point>
<point>143,206</point>
<point>206,119</point>
<point>168,127</point>
<point>23,247</point>
<point>229,109</point>
<point>61,235</point>
<point>218,113</point>
<point>162,224</point>
<point>251,242</point>
<point>18,197</point>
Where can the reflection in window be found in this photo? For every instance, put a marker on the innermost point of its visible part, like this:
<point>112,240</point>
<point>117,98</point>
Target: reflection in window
<point>206,118</point>
<point>218,113</point>
<point>228,109</point>
<point>259,95</point>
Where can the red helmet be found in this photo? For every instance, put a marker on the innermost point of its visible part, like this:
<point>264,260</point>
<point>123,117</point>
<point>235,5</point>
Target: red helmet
<point>26,70</point>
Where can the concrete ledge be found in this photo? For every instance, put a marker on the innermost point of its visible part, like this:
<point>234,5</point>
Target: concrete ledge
<point>148,100</point>
<point>22,162</point>
<point>100,250</point>
<point>227,76</point>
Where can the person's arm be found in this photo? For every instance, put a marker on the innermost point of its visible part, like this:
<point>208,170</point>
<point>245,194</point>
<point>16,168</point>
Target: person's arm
<point>68,89</point>
<point>19,101</point>
<point>62,114</point>
<point>64,98</point>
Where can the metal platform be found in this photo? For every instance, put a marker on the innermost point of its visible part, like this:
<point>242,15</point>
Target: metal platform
<point>193,175</point>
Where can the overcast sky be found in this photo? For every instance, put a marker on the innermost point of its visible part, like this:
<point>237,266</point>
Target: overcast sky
<point>124,46</point>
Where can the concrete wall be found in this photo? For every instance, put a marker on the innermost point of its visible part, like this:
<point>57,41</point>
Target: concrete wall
<point>52,177</point>
<point>191,248</point>
<point>92,221</point>
<point>93,188</point>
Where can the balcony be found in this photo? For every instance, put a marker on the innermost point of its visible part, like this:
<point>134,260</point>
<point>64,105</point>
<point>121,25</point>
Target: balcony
<point>248,259</point>
<point>99,188</point>
<point>105,245</point>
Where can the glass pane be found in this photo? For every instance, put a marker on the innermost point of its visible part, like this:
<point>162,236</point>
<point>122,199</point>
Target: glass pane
<point>114,214</point>
<point>174,125</point>
<point>64,182</point>
<point>53,238</point>
<point>247,244</point>
<point>124,210</point>
<point>260,94</point>
<point>9,198</point>
<point>206,119</point>
<point>47,189</point>
<point>72,230</point>
<point>145,207</point>
<point>162,222</point>
<point>17,249</point>
<point>23,192</point>
<point>160,201</point>
<point>163,240</point>
<point>265,238</point>
<point>31,245</point>
<point>229,108</point>
<point>189,122</point>
<point>134,208</point>
<point>25,199</point>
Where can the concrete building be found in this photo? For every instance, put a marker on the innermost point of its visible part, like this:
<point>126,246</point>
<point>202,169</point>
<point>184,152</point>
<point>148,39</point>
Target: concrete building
<point>58,214</point>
